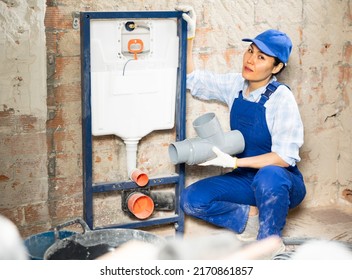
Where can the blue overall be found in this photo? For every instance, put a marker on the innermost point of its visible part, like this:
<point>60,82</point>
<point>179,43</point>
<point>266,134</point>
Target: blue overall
<point>224,200</point>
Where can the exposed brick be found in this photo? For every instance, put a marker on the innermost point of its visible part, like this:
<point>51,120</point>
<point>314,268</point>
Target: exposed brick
<point>66,186</point>
<point>37,213</point>
<point>6,167</point>
<point>56,19</point>
<point>319,71</point>
<point>68,93</point>
<point>68,69</point>
<point>65,140</point>
<point>59,138</point>
<point>69,208</point>
<point>33,167</point>
<point>22,192</point>
<point>28,123</point>
<point>67,165</point>
<point>30,230</point>
<point>69,43</point>
<point>51,3</point>
<point>50,99</point>
<point>55,121</point>
<point>7,122</point>
<point>28,144</point>
<point>15,214</point>
<point>51,42</point>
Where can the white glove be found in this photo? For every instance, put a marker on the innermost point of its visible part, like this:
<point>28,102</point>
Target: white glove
<point>222,159</point>
<point>190,16</point>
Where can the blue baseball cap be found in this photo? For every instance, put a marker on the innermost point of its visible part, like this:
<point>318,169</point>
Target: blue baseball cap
<point>273,43</point>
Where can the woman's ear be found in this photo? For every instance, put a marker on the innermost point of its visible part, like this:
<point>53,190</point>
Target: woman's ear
<point>277,68</point>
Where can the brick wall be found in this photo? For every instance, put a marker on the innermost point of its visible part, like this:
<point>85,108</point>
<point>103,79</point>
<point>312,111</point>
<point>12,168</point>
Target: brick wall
<point>40,156</point>
<point>23,154</point>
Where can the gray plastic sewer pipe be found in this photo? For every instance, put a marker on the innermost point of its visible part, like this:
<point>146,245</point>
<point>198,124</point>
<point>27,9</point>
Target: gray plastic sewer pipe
<point>199,149</point>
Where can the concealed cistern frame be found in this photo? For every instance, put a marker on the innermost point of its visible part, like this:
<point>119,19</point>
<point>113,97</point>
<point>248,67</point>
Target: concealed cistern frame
<point>90,187</point>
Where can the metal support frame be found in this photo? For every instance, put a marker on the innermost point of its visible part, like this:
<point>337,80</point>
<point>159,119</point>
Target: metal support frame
<point>178,179</point>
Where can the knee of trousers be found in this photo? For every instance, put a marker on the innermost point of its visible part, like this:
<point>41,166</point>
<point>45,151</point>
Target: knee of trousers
<point>271,178</point>
<point>191,202</point>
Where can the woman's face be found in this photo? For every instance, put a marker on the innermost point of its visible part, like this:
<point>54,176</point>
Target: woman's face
<point>258,67</point>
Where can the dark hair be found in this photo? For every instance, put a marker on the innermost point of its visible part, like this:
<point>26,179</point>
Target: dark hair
<point>277,62</point>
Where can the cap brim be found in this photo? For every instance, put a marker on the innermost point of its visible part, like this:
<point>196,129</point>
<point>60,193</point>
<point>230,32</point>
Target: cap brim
<point>260,46</point>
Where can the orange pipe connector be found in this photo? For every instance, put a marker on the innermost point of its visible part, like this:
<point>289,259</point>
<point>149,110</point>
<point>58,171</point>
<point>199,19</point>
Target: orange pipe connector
<point>139,177</point>
<point>140,205</point>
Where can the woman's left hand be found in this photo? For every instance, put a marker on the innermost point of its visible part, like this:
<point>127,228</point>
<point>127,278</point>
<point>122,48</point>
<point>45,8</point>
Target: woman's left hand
<point>222,159</point>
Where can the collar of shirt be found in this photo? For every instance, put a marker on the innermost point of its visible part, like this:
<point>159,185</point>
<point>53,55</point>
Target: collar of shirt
<point>254,96</point>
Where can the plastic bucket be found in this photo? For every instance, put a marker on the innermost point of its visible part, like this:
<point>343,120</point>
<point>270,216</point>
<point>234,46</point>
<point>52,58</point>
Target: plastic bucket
<point>38,244</point>
<point>92,244</point>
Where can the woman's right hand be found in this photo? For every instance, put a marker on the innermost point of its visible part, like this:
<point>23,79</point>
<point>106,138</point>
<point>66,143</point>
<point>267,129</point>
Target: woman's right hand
<point>222,159</point>
<point>188,15</point>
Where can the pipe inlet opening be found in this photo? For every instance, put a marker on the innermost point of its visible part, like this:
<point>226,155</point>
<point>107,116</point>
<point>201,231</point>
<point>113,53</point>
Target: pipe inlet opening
<point>140,205</point>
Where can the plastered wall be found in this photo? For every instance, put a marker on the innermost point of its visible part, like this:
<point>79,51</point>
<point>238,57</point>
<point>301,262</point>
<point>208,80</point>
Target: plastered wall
<point>23,114</point>
<point>40,101</point>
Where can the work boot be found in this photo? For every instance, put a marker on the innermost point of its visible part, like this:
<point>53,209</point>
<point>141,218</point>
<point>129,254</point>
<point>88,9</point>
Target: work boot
<point>251,230</point>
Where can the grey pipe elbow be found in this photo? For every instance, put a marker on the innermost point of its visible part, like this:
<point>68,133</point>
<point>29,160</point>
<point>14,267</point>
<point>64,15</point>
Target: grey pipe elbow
<point>199,149</point>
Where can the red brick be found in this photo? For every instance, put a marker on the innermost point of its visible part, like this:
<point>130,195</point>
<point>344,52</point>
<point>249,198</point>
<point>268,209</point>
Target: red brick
<point>51,42</point>
<point>56,19</point>
<point>58,140</point>
<point>68,43</point>
<point>7,117</point>
<point>56,121</point>
<point>34,229</point>
<point>28,123</point>
<point>28,144</point>
<point>61,210</point>
<point>64,187</point>
<point>33,167</point>
<point>36,213</point>
<point>21,192</point>
<point>68,69</point>
<point>68,165</point>
<point>15,214</point>
<point>68,93</point>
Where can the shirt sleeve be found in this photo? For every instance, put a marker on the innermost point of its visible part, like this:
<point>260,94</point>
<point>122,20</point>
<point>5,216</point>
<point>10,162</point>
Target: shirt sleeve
<point>207,85</point>
<point>287,128</point>
<point>283,117</point>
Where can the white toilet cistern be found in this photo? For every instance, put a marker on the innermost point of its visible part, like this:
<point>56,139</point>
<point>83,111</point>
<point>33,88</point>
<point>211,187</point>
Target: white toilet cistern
<point>134,75</point>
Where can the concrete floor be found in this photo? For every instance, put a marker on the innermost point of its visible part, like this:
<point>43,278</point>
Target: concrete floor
<point>324,223</point>
<point>303,224</point>
<point>330,223</point>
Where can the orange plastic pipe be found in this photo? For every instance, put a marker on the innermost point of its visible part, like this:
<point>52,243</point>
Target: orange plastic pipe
<point>140,205</point>
<point>139,177</point>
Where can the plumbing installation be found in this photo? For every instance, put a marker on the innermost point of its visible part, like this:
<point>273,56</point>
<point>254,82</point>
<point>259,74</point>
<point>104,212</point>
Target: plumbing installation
<point>133,83</point>
<point>133,73</point>
<point>141,204</point>
<point>197,150</point>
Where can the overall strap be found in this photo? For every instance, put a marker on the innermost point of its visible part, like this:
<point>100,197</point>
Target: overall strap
<point>240,95</point>
<point>270,89</point>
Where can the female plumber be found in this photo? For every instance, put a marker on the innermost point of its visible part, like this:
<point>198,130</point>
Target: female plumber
<point>253,199</point>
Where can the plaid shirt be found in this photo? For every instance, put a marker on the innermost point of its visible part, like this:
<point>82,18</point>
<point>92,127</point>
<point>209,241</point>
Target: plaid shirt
<point>282,113</point>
